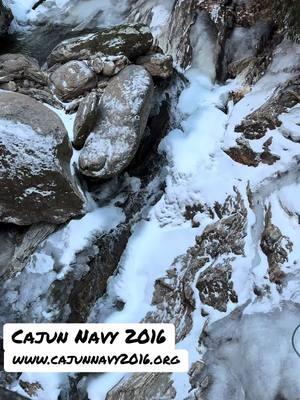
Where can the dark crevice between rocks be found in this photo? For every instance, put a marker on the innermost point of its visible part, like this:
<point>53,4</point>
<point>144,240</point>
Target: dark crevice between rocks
<point>145,161</point>
<point>236,15</point>
<point>224,34</point>
<point>101,267</point>
<point>9,395</point>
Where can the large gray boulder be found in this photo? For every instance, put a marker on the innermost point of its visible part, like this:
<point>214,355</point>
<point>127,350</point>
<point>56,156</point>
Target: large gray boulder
<point>36,184</point>
<point>72,80</point>
<point>123,113</point>
<point>5,18</point>
<point>131,40</point>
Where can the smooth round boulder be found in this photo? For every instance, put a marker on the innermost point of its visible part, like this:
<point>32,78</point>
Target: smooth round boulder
<point>72,80</point>
<point>36,184</point>
<point>123,113</point>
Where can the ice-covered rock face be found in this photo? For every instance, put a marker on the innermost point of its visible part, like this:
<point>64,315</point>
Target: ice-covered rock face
<point>72,12</point>
<point>252,357</point>
<point>123,113</point>
<point>35,164</point>
<point>171,23</point>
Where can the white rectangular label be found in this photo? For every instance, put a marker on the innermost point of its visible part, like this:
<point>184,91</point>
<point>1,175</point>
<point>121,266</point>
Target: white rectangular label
<point>92,348</point>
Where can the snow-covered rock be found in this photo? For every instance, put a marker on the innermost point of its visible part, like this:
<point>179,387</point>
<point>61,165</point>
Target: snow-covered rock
<point>251,356</point>
<point>72,80</point>
<point>131,40</point>
<point>143,386</point>
<point>123,113</point>
<point>108,65</point>
<point>35,164</point>
<point>85,119</point>
<point>158,65</point>
<point>18,244</point>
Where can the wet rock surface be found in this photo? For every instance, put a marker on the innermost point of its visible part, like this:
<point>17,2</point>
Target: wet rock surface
<point>101,266</point>
<point>18,244</point>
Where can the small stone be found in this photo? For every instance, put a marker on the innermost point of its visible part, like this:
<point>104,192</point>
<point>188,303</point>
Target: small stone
<point>26,83</point>
<point>97,65</point>
<point>108,68</point>
<point>158,65</point>
<point>10,86</point>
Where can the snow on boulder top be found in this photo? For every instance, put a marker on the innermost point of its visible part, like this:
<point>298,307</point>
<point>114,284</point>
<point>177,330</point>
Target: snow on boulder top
<point>36,184</point>
<point>132,40</point>
<point>124,110</point>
